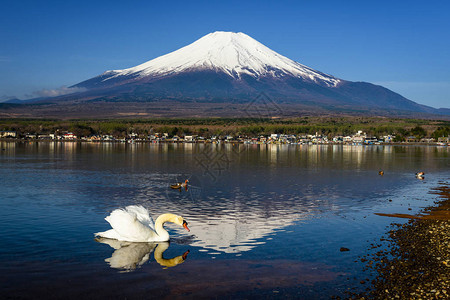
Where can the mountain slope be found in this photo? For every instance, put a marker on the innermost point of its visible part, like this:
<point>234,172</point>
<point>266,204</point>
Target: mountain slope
<point>227,67</point>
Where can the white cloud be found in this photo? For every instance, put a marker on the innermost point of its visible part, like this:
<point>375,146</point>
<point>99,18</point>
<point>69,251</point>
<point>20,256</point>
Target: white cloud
<point>64,90</point>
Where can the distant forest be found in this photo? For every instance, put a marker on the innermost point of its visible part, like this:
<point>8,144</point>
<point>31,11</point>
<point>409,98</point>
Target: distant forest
<point>207,127</point>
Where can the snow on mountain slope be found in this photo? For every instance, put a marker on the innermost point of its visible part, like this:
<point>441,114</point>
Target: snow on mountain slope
<point>232,53</point>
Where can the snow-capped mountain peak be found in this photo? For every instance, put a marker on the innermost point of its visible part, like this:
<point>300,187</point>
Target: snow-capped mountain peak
<point>232,53</point>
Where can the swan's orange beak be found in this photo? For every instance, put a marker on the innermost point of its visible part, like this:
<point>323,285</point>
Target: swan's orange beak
<point>185,254</point>
<point>185,225</point>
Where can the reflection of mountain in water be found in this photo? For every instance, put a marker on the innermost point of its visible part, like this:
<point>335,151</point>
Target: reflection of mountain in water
<point>240,232</point>
<point>238,222</point>
<point>129,256</point>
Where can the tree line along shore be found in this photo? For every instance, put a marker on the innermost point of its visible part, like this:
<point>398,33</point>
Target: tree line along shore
<point>400,130</point>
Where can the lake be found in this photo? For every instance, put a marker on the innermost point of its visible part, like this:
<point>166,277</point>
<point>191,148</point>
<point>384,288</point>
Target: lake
<point>267,221</point>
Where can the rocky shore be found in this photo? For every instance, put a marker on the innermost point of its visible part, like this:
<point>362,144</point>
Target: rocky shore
<point>416,265</point>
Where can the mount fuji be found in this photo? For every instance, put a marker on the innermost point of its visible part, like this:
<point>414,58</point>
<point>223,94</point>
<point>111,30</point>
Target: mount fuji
<point>227,69</point>
<point>233,54</point>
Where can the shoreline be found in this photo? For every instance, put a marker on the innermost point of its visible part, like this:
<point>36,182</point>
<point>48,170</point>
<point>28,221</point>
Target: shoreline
<point>131,141</point>
<point>416,264</point>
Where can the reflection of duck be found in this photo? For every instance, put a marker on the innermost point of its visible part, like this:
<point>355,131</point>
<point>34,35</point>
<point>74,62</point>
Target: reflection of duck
<point>420,175</point>
<point>134,224</point>
<point>180,185</point>
<point>129,256</point>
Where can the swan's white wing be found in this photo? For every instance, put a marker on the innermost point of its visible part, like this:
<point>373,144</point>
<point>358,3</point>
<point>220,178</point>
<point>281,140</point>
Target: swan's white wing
<point>129,228</point>
<point>141,214</point>
<point>109,234</point>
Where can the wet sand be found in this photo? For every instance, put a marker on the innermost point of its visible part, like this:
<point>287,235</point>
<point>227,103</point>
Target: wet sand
<point>416,265</point>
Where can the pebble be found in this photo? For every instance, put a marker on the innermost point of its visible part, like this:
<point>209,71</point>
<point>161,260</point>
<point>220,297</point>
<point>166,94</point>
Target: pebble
<point>417,261</point>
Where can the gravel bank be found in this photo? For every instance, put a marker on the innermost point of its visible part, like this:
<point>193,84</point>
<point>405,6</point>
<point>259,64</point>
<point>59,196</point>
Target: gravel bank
<point>416,265</point>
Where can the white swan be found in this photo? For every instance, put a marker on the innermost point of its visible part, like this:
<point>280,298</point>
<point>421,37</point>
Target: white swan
<point>134,224</point>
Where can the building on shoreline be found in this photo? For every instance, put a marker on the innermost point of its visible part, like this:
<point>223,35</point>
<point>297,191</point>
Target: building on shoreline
<point>8,134</point>
<point>358,138</point>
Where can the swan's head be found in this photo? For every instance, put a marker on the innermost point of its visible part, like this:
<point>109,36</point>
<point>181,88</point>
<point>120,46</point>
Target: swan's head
<point>171,218</point>
<point>182,222</point>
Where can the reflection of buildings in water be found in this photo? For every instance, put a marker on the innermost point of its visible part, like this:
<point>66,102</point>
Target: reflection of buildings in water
<point>316,155</point>
<point>187,147</point>
<point>353,155</point>
<point>176,146</point>
<point>9,147</point>
<point>263,149</point>
<point>273,153</point>
<point>336,150</point>
<point>69,147</point>
<point>69,150</point>
<point>161,147</point>
<point>387,149</point>
<point>129,256</point>
<point>106,147</point>
<point>313,155</point>
<point>442,149</point>
<point>51,148</point>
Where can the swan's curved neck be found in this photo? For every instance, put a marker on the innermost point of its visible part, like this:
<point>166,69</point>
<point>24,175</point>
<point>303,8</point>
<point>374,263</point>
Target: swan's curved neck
<point>159,228</point>
<point>166,262</point>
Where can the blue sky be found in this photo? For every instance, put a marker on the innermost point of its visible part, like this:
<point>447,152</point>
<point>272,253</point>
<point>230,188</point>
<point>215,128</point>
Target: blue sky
<point>403,45</point>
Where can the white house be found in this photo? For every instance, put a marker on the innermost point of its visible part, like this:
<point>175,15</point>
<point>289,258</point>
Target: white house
<point>5,134</point>
<point>358,139</point>
<point>338,139</point>
<point>347,139</point>
<point>190,138</point>
<point>388,138</point>
<point>70,136</point>
<point>274,136</point>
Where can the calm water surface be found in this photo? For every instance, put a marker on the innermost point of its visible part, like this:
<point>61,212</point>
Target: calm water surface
<point>266,220</point>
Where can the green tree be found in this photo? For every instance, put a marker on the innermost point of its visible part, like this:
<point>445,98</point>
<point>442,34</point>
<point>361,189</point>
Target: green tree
<point>418,132</point>
<point>441,132</point>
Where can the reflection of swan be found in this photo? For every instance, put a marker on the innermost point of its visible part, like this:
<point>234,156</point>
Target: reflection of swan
<point>172,262</point>
<point>129,256</point>
<point>134,224</point>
